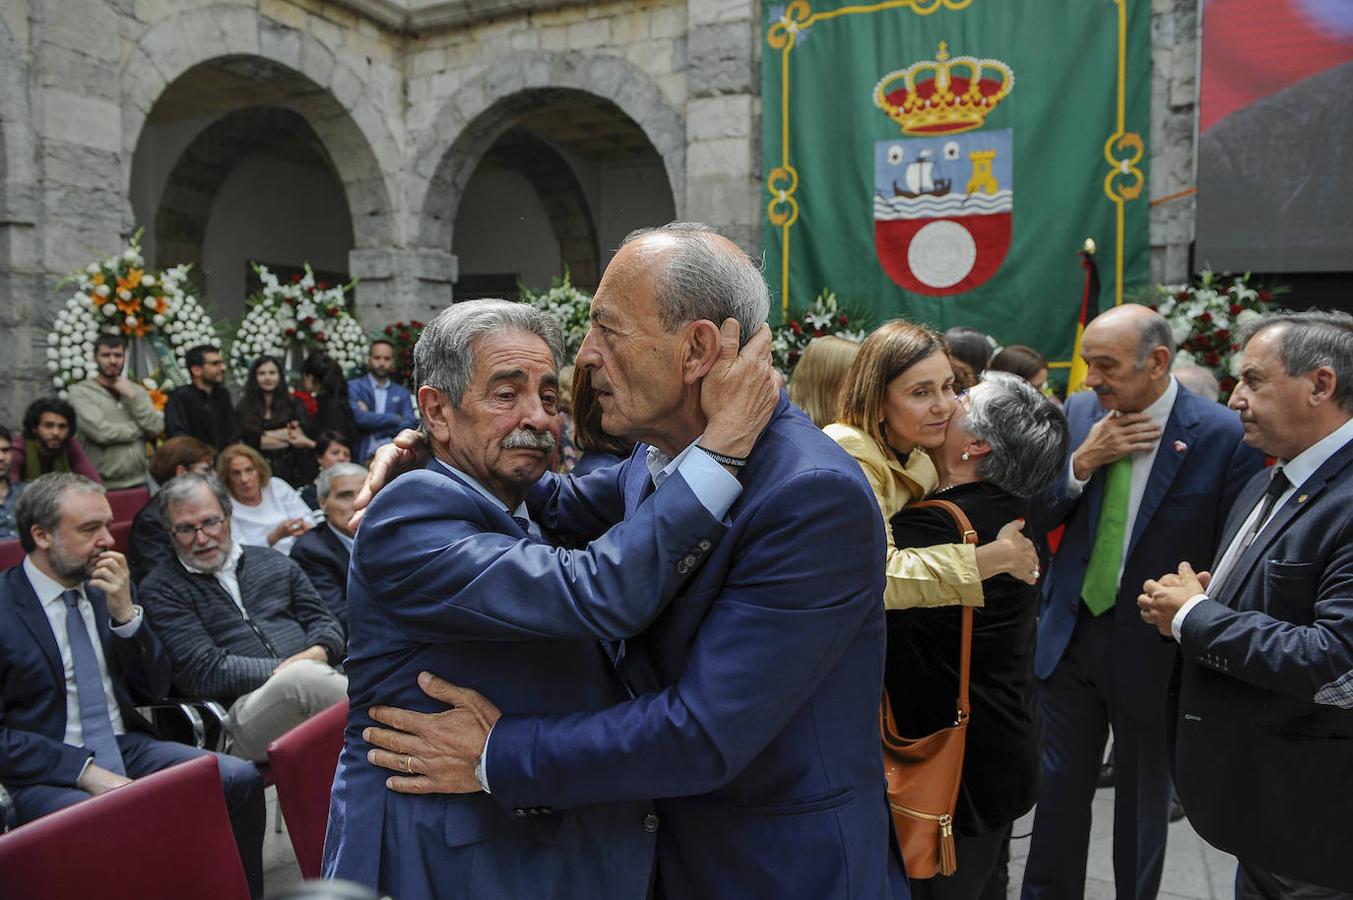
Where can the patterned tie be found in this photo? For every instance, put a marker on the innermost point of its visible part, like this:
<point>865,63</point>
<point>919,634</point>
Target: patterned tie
<point>1277,484</point>
<point>1099,590</point>
<point>523,523</point>
<point>94,720</point>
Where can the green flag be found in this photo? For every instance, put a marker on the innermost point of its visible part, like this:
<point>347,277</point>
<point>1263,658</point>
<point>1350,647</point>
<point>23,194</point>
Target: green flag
<point>945,160</point>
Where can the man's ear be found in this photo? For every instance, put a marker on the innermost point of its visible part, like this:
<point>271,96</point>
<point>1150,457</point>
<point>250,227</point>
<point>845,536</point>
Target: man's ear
<point>1323,382</point>
<point>437,413</point>
<point>977,449</point>
<point>1160,361</point>
<point>41,536</point>
<point>701,350</point>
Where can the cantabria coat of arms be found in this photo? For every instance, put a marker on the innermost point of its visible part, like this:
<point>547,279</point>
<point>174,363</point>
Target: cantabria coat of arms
<point>944,195</point>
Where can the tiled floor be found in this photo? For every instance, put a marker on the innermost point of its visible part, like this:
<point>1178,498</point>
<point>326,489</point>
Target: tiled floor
<point>1193,869</point>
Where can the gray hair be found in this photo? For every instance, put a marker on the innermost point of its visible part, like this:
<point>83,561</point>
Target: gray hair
<point>1155,332</point>
<point>1197,379</point>
<point>1028,434</point>
<point>703,280</point>
<point>40,503</point>
<point>444,357</point>
<point>183,488</point>
<point>338,470</point>
<point>1310,340</point>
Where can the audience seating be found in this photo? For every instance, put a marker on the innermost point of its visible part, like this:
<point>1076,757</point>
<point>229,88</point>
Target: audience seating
<point>128,502</point>
<point>11,554</point>
<point>122,536</point>
<point>303,763</point>
<point>165,836</point>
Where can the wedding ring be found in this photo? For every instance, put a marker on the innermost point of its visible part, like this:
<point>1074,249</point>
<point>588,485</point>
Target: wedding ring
<point>408,764</point>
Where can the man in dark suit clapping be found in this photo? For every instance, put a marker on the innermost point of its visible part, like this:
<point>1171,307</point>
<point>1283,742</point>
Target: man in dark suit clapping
<point>1264,704</point>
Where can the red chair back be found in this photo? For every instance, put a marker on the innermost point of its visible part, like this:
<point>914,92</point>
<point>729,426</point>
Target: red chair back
<point>162,837</point>
<point>303,763</point>
<point>128,502</point>
<point>122,534</point>
<point>11,553</point>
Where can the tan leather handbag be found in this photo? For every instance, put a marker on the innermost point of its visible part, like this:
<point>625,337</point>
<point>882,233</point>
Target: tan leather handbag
<point>923,773</point>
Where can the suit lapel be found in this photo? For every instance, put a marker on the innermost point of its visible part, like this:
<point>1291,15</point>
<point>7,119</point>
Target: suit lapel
<point>1179,427</point>
<point>1245,503</point>
<point>502,520</point>
<point>35,620</point>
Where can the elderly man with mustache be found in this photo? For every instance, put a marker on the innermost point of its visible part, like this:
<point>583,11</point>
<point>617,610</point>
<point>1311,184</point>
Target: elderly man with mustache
<point>450,575</point>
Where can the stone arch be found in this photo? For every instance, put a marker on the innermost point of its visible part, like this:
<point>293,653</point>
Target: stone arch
<point>18,143</point>
<point>341,105</point>
<point>486,106</point>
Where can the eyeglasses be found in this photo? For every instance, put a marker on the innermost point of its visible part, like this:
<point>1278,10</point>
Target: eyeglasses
<point>208,526</point>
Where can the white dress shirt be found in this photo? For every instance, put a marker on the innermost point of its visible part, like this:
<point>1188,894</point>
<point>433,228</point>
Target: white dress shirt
<point>1142,463</point>
<point>49,595</point>
<point>380,393</point>
<point>1298,470</point>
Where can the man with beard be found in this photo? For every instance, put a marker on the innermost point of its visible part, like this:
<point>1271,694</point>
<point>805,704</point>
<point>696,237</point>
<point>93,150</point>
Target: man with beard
<point>203,409</point>
<point>76,656</point>
<point>48,443</point>
<point>117,417</point>
<point>382,407</point>
<point>242,625</point>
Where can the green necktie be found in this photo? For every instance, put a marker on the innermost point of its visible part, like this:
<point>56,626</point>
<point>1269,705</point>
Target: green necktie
<point>1100,587</point>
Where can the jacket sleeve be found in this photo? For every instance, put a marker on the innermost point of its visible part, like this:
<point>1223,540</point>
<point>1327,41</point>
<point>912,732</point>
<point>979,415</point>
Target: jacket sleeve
<point>176,422</point>
<point>142,662</point>
<point>781,622</point>
<point>27,757</point>
<point>201,667</point>
<point>320,626</point>
<point>101,427</point>
<point>580,509</point>
<point>1308,655</point>
<point>441,570</point>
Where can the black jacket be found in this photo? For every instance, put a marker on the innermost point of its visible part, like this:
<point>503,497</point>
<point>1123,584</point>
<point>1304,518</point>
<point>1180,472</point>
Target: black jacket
<point>207,417</point>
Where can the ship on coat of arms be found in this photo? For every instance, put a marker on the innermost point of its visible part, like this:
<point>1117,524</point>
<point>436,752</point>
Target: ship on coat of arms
<point>943,196</point>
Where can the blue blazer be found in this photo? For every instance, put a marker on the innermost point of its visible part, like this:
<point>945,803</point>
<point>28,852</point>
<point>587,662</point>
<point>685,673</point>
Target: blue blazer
<point>443,580</point>
<point>323,557</point>
<point>33,684</point>
<point>1201,465</point>
<point>377,428</point>
<point>1264,700</point>
<point>756,691</point>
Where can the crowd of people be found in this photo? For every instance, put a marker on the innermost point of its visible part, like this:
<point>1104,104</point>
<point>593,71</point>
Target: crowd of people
<point>623,629</point>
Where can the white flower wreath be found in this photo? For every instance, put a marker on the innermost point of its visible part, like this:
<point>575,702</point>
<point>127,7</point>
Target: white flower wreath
<point>120,296</point>
<point>285,314</point>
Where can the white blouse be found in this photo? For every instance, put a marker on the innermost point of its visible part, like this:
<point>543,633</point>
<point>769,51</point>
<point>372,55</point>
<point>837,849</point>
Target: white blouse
<point>251,524</point>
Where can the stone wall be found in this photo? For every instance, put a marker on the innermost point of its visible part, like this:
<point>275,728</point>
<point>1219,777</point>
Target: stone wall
<point>405,116</point>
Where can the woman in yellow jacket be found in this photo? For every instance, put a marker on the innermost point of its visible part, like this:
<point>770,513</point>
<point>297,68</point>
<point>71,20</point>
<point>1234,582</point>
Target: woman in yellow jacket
<point>895,406</point>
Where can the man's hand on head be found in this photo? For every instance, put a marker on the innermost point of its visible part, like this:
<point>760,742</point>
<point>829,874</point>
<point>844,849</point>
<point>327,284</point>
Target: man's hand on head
<point>434,753</point>
<point>741,392</point>
<point>1111,438</point>
<point>407,452</point>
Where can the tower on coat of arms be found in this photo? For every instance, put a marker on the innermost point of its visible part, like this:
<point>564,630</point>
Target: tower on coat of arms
<point>943,197</point>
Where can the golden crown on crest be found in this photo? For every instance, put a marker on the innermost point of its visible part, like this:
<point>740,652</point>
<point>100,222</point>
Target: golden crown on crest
<point>943,95</point>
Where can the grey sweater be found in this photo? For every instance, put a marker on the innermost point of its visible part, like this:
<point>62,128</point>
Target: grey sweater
<point>216,653</point>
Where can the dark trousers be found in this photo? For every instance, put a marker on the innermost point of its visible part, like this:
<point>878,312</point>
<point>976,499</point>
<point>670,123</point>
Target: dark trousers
<point>1079,702</point>
<point>977,860</point>
<point>143,755</point>
<point>1255,884</point>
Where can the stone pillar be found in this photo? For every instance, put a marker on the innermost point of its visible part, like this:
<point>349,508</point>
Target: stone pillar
<point>723,119</point>
<point>1174,145</point>
<point>396,285</point>
<point>23,286</point>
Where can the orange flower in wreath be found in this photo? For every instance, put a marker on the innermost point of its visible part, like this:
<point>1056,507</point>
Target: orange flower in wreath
<point>158,398</point>
<point>129,307</point>
<point>134,327</point>
<point>131,281</point>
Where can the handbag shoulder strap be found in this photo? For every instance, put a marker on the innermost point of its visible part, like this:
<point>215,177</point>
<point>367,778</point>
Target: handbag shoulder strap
<point>965,652</point>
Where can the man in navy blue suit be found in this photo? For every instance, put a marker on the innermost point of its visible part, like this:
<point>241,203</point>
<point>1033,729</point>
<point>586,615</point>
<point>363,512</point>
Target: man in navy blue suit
<point>76,656</point>
<point>323,552</point>
<point>450,575</point>
<point>380,405</point>
<point>1264,704</point>
<point>754,718</point>
<point>1155,471</point>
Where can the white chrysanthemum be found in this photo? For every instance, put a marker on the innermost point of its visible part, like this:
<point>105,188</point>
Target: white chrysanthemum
<point>147,281</point>
<point>103,290</point>
<point>1180,328</point>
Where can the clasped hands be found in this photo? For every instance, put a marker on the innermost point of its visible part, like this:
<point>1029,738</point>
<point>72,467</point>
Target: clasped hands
<point>1162,597</point>
<point>433,753</point>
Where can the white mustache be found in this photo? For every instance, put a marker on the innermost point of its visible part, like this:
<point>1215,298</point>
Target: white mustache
<point>525,439</point>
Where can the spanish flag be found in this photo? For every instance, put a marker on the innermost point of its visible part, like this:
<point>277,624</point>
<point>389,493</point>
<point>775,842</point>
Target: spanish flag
<point>1089,309</point>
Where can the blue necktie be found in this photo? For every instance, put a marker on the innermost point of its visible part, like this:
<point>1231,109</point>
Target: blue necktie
<point>94,720</point>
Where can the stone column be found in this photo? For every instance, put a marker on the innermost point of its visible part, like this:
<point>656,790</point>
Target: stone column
<point>397,284</point>
<point>723,119</point>
<point>1174,137</point>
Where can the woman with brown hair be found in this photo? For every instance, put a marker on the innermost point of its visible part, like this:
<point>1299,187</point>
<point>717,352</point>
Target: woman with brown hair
<point>599,449</point>
<point>267,512</point>
<point>896,405</point>
<point>1026,362</point>
<point>816,384</point>
<point>273,422</point>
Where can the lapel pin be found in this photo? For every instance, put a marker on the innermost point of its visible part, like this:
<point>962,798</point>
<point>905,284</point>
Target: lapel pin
<point>1180,447</point>
<point>1301,498</point>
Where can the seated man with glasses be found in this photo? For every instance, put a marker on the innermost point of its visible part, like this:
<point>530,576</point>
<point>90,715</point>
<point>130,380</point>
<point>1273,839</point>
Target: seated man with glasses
<point>242,625</point>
